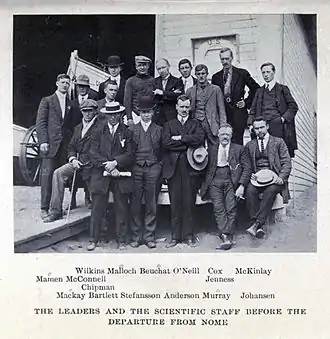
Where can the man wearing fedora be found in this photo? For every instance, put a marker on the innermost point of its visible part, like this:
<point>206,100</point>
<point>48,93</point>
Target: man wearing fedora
<point>147,149</point>
<point>111,156</point>
<point>227,176</point>
<point>141,84</point>
<point>178,135</point>
<point>271,167</point>
<point>110,90</point>
<point>78,156</point>
<point>54,130</point>
<point>115,67</point>
<point>207,104</point>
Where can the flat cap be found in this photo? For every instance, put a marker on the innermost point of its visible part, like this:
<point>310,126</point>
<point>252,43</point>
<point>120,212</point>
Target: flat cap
<point>142,58</point>
<point>88,104</point>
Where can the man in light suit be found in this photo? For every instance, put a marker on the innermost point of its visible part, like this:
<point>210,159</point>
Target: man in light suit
<point>207,104</point>
<point>54,130</point>
<point>232,81</point>
<point>270,153</point>
<point>227,176</point>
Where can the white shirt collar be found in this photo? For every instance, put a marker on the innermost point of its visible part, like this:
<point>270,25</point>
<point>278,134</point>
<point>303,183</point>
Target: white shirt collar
<point>187,82</point>
<point>164,79</point>
<point>115,127</point>
<point>219,154</point>
<point>146,125</point>
<point>271,84</point>
<point>184,119</point>
<point>117,78</point>
<point>265,139</point>
<point>106,100</point>
<point>60,94</point>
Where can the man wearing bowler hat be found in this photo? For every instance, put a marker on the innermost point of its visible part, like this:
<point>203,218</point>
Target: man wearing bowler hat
<point>141,84</point>
<point>147,148</point>
<point>114,66</point>
<point>111,156</point>
<point>178,135</point>
<point>271,167</point>
<point>228,174</point>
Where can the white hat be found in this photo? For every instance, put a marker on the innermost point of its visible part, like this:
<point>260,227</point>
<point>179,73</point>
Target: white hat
<point>112,107</point>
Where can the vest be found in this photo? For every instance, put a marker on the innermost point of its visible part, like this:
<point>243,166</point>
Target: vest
<point>262,158</point>
<point>145,154</point>
<point>200,103</point>
<point>269,108</point>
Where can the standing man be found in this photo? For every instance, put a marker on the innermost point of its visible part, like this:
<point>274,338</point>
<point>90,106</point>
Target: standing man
<point>111,156</point>
<point>207,104</point>
<point>141,84</point>
<point>227,176</point>
<point>168,88</point>
<point>110,90</point>
<point>115,67</point>
<point>146,146</point>
<point>185,68</point>
<point>54,130</point>
<point>78,155</point>
<point>232,81</point>
<point>271,167</point>
<point>178,135</point>
<point>276,105</point>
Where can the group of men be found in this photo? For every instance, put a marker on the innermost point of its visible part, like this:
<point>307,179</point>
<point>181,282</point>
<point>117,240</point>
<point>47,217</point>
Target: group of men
<point>137,134</point>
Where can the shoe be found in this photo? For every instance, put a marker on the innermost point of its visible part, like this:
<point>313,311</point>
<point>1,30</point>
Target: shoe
<point>91,246</point>
<point>226,242</point>
<point>121,246</point>
<point>134,244</point>
<point>191,243</point>
<point>151,244</point>
<point>88,202</point>
<point>260,233</point>
<point>43,214</point>
<point>172,243</point>
<point>253,229</point>
<point>52,217</point>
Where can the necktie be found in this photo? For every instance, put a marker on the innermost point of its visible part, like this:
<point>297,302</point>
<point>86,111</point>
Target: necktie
<point>223,156</point>
<point>112,130</point>
<point>262,145</point>
<point>267,87</point>
<point>185,84</point>
<point>182,121</point>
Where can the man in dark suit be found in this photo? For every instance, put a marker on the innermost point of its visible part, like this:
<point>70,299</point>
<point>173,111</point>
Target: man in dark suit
<point>178,135</point>
<point>275,103</point>
<point>227,176</point>
<point>83,92</point>
<point>185,68</point>
<point>168,88</point>
<point>269,153</point>
<point>115,67</point>
<point>207,104</point>
<point>146,171</point>
<point>78,156</point>
<point>110,90</point>
<point>54,130</point>
<point>111,156</point>
<point>232,81</point>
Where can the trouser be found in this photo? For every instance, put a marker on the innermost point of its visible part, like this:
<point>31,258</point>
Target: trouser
<point>145,183</point>
<point>211,139</point>
<point>182,195</point>
<point>48,166</point>
<point>258,209</point>
<point>222,194</point>
<point>121,208</point>
<point>237,118</point>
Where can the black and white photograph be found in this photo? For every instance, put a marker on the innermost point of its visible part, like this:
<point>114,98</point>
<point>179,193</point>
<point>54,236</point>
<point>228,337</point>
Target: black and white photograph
<point>165,133</point>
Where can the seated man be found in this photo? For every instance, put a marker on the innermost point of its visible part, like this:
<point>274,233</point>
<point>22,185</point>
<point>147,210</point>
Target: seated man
<point>271,167</point>
<point>78,159</point>
<point>227,177</point>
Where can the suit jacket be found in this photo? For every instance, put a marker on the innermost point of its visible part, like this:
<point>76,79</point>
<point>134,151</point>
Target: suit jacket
<point>156,132</point>
<point>192,135</point>
<point>105,147</point>
<point>239,163</point>
<point>76,113</point>
<point>51,127</point>
<point>194,80</point>
<point>287,108</point>
<point>279,159</point>
<point>240,78</point>
<point>121,89</point>
<point>166,103</point>
<point>214,107</point>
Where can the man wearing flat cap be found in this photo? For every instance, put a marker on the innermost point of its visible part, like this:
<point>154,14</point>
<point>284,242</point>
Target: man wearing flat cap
<point>178,135</point>
<point>115,67</point>
<point>146,146</point>
<point>111,156</point>
<point>141,84</point>
<point>78,156</point>
<point>54,130</point>
<point>271,167</point>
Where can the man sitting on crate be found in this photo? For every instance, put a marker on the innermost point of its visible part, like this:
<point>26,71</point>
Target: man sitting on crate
<point>227,176</point>
<point>112,158</point>
<point>271,167</point>
<point>78,155</point>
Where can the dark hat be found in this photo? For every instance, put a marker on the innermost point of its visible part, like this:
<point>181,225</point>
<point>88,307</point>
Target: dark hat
<point>88,105</point>
<point>114,60</point>
<point>264,177</point>
<point>83,80</point>
<point>197,157</point>
<point>112,107</point>
<point>146,103</point>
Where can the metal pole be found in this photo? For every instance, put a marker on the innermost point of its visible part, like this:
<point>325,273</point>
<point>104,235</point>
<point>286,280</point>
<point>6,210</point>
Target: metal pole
<point>72,192</point>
